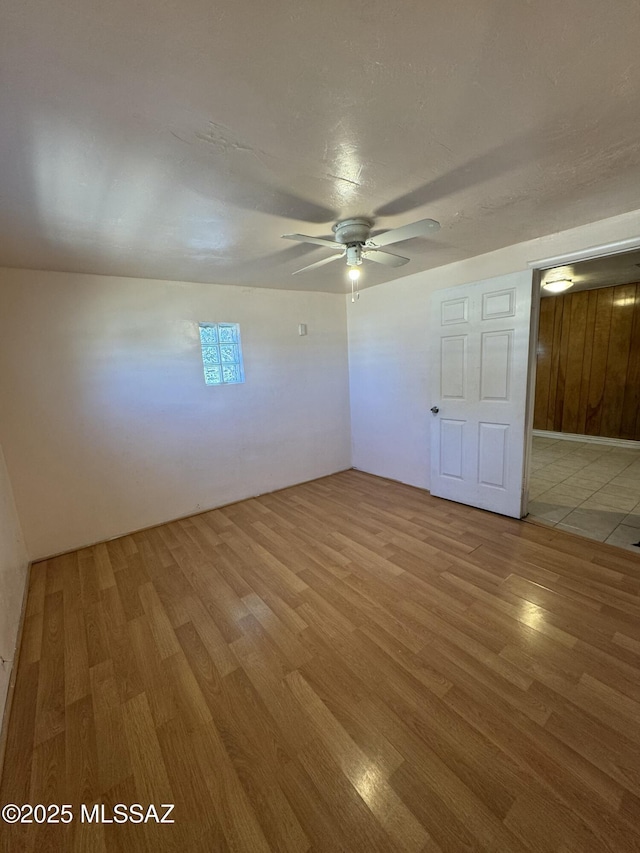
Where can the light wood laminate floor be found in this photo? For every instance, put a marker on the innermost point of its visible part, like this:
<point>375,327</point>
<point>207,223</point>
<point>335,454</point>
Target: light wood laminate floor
<point>346,665</point>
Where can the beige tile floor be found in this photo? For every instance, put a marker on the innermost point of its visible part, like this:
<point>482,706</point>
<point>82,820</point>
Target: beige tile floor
<point>585,488</point>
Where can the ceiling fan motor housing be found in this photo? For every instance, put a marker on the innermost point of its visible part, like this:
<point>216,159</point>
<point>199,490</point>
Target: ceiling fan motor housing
<point>352,231</point>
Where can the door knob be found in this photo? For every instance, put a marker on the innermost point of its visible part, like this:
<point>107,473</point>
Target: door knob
<point>435,410</point>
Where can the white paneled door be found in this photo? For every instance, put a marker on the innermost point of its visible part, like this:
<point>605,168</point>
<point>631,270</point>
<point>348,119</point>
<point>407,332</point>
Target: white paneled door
<point>479,358</point>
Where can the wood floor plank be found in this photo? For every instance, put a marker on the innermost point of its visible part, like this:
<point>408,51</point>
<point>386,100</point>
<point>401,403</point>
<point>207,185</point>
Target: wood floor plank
<point>232,806</point>
<point>287,642</point>
<point>256,752</point>
<point>37,589</point>
<point>48,782</point>
<point>114,761</point>
<point>31,641</point>
<point>76,656</point>
<point>161,627</point>
<point>211,588</point>
<point>349,813</point>
<point>104,568</point>
<point>51,680</point>
<point>587,790</point>
<point>196,825</point>
<point>181,682</point>
<point>342,694</point>
<point>150,672</point>
<point>207,628</point>
<point>149,770</point>
<point>82,784</point>
<point>18,764</point>
<point>312,812</point>
<point>128,673</point>
<point>367,778</point>
<point>346,665</point>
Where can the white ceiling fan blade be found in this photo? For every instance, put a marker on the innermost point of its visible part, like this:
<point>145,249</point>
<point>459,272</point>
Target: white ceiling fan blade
<point>387,258</point>
<point>318,241</point>
<point>405,232</point>
<point>319,263</point>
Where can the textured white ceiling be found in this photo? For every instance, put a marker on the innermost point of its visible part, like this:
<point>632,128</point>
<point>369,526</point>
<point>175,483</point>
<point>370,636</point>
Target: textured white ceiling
<point>180,138</point>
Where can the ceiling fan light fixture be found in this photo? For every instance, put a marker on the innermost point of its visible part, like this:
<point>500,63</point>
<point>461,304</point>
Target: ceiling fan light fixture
<point>354,273</point>
<point>354,254</point>
<point>558,286</point>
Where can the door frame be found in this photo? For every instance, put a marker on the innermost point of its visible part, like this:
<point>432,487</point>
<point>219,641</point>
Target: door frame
<point>618,247</point>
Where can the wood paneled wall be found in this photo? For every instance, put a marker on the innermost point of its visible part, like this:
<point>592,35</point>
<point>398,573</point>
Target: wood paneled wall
<point>588,375</point>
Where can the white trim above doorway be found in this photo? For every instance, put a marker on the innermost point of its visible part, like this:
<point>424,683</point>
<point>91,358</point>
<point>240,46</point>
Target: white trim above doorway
<point>617,248</point>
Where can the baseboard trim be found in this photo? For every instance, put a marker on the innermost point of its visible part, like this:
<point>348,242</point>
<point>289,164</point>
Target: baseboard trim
<point>8,705</point>
<point>181,518</point>
<point>589,439</point>
<point>391,479</point>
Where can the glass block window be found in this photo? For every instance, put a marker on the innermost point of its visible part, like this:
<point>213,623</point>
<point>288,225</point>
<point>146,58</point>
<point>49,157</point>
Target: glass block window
<point>221,353</point>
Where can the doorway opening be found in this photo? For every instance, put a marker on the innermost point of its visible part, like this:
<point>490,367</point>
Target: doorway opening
<point>584,463</point>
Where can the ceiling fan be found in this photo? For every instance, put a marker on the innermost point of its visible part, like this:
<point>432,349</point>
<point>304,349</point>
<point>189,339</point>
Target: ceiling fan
<point>354,242</point>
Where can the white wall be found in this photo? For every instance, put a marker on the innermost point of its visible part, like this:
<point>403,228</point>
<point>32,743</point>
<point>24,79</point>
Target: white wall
<point>389,348</point>
<point>107,425</point>
<point>13,572</point>
<point>106,422</point>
